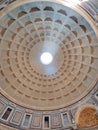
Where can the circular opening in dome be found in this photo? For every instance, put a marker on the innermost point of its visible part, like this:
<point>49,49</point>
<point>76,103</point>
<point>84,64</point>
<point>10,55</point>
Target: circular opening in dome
<point>46,58</point>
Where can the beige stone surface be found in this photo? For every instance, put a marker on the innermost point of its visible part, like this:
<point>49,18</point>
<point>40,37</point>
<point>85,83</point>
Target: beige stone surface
<point>29,29</point>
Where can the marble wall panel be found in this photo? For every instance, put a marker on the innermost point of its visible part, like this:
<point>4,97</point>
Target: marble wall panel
<point>36,121</point>
<point>17,117</point>
<point>56,121</point>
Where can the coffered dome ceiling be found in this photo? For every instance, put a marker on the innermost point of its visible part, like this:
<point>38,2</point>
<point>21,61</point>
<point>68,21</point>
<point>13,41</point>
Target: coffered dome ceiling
<point>29,30</point>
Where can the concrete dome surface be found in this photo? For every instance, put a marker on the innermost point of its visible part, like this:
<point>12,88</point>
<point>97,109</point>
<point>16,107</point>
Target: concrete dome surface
<point>68,33</point>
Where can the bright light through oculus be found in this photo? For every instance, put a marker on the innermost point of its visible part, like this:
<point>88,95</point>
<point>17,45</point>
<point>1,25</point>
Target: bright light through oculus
<point>78,1</point>
<point>46,58</point>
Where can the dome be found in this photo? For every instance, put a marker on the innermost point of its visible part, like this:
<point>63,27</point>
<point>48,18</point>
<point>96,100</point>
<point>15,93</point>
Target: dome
<point>67,34</point>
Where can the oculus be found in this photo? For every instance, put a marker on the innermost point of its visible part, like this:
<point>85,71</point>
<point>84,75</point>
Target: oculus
<point>46,58</point>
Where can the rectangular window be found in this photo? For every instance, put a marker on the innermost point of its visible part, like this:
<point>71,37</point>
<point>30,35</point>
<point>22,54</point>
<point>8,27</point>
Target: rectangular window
<point>66,120</point>
<point>26,120</point>
<point>6,114</point>
<point>46,122</point>
<point>96,95</point>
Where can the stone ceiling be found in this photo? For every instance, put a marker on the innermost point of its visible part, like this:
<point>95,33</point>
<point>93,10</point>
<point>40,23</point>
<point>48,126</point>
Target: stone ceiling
<point>28,30</point>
